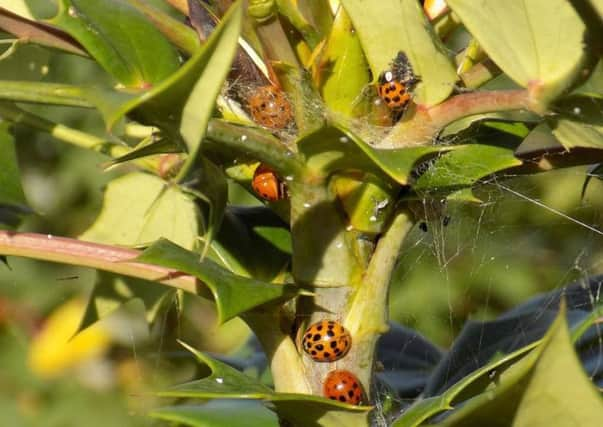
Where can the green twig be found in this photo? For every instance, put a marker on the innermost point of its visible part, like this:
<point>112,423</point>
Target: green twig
<point>43,93</point>
<point>424,125</point>
<point>114,259</point>
<point>285,361</point>
<point>72,136</point>
<point>271,33</point>
<point>367,315</point>
<point>292,13</point>
<point>251,142</point>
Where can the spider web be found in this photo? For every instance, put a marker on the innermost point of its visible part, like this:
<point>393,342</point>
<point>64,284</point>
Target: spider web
<point>530,235</point>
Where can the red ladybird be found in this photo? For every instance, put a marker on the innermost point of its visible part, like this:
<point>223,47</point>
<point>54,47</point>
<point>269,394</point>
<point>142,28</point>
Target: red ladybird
<point>342,386</point>
<point>267,185</point>
<point>269,107</point>
<point>326,341</point>
<point>396,84</point>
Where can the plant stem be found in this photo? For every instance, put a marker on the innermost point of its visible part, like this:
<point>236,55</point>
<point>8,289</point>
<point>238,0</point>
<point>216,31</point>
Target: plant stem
<point>285,361</point>
<point>43,93</point>
<point>275,42</point>
<point>73,136</point>
<point>251,142</point>
<point>367,315</point>
<point>479,74</point>
<point>290,10</point>
<point>424,125</point>
<point>114,259</point>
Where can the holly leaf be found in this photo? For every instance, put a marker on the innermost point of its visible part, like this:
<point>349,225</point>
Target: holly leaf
<point>218,413</point>
<point>233,294</point>
<point>120,38</point>
<point>12,198</point>
<point>400,25</point>
<point>549,387</point>
<point>536,41</point>
<point>464,166</point>
<point>302,409</point>
<point>139,208</point>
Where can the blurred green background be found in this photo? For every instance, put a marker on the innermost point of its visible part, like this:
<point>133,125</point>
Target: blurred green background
<point>489,258</point>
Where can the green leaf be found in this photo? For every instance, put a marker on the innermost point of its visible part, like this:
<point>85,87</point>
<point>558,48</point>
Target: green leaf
<point>480,379</point>
<point>598,7</point>
<point>139,208</point>
<point>183,104</point>
<point>146,148</point>
<point>217,55</point>
<point>332,149</point>
<point>537,42</point>
<point>253,242</point>
<point>233,294</point>
<point>209,184</point>
<point>218,413</point>
<point>593,171</point>
<point>397,163</point>
<point>12,198</point>
<point>548,388</point>
<point>343,71</point>
<point>513,118</point>
<point>11,192</point>
<point>593,86</point>
<point>21,24</point>
<point>579,124</point>
<point>182,35</point>
<point>329,149</point>
<point>465,166</point>
<point>400,25</point>
<point>111,292</point>
<point>290,10</point>
<point>366,200</point>
<point>18,7</point>
<point>120,38</point>
<point>302,409</point>
<point>539,140</point>
<point>574,134</point>
<point>464,195</point>
<point>224,382</point>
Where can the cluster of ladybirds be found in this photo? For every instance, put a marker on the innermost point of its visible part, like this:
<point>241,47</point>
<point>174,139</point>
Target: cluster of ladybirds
<point>270,108</point>
<point>329,341</point>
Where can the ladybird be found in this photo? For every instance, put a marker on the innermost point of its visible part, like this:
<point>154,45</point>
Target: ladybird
<point>342,386</point>
<point>269,107</point>
<point>266,184</point>
<point>326,341</point>
<point>396,84</point>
